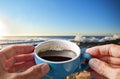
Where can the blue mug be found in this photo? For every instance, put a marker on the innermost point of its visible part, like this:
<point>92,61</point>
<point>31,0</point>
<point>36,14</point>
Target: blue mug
<point>63,68</point>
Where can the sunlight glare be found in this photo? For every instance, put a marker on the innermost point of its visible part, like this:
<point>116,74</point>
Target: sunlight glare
<point>3,31</point>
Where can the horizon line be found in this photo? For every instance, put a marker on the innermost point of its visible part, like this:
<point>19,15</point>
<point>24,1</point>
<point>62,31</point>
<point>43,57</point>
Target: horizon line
<point>63,35</point>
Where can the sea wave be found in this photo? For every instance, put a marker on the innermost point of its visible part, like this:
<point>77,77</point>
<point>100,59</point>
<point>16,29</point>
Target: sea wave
<point>37,39</point>
<point>96,39</point>
<point>78,38</point>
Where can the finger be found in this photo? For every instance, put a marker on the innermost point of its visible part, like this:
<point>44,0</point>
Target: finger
<point>19,58</point>
<point>35,72</point>
<point>105,50</point>
<point>16,50</point>
<point>114,66</point>
<point>101,67</point>
<point>95,75</point>
<point>111,60</point>
<point>21,66</point>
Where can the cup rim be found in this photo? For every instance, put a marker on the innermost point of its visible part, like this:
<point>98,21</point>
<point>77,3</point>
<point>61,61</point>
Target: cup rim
<point>47,61</point>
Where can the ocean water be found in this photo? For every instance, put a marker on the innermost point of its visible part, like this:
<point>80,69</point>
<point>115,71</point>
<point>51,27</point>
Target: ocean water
<point>9,40</point>
<point>46,37</point>
<point>36,37</point>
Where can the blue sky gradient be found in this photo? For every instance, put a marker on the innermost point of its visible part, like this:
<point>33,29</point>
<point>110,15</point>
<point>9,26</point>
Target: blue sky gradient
<point>60,17</point>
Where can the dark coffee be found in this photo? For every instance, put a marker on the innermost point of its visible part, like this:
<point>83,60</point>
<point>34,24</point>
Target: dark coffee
<point>57,56</point>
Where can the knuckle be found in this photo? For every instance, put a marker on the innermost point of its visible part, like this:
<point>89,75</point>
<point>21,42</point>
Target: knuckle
<point>37,72</point>
<point>33,69</point>
<point>102,69</point>
<point>102,72</point>
<point>12,47</point>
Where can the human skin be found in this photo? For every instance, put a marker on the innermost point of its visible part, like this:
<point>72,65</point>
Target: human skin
<point>17,62</point>
<point>105,62</point>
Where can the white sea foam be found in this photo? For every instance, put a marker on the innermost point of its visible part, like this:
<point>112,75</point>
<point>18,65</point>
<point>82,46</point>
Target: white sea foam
<point>116,36</point>
<point>85,39</point>
<point>78,38</point>
<point>95,39</point>
<point>106,38</point>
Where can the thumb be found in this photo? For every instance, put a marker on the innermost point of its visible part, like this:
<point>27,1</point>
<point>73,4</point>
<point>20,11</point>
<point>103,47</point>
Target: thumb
<point>35,72</point>
<point>101,67</point>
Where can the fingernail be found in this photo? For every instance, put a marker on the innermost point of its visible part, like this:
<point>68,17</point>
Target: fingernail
<point>94,63</point>
<point>87,50</point>
<point>45,68</point>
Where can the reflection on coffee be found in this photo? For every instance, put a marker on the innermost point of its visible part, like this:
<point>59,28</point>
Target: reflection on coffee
<point>57,56</point>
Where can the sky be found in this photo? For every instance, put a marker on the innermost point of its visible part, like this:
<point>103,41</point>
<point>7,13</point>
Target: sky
<point>59,17</point>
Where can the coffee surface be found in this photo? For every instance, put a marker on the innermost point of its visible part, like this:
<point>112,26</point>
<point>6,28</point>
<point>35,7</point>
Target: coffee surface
<point>57,56</point>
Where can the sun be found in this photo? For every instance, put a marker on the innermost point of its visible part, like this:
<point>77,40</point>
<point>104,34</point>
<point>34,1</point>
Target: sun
<point>3,29</point>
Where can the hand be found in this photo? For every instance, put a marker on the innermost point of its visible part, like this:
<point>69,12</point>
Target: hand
<point>105,62</point>
<point>17,58</point>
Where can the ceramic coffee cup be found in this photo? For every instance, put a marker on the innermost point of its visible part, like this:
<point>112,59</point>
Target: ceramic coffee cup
<point>60,69</point>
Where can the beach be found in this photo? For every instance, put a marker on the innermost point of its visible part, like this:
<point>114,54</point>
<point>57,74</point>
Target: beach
<point>83,42</point>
